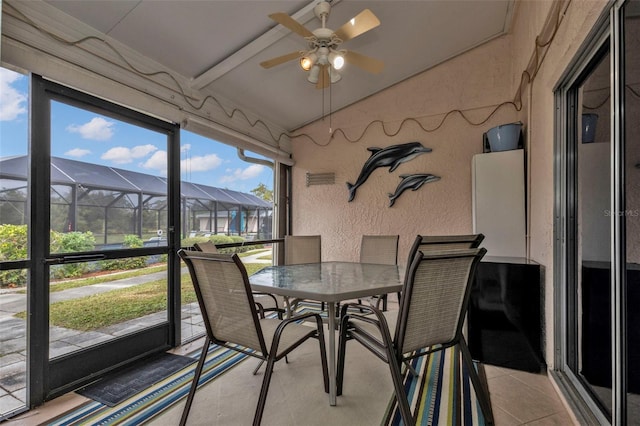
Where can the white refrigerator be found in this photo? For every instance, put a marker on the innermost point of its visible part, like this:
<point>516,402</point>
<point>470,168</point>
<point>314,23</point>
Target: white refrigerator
<point>499,202</point>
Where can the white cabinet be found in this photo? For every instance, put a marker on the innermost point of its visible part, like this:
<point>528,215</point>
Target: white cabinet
<point>499,202</point>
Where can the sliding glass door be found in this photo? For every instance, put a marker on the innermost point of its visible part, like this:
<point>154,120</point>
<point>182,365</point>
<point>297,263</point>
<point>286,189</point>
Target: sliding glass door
<point>598,221</point>
<point>631,176</point>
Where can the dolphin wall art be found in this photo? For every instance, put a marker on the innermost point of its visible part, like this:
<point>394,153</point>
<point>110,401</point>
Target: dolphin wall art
<point>412,182</point>
<point>391,156</point>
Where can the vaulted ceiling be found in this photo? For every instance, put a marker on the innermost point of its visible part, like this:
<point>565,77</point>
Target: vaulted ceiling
<point>218,45</point>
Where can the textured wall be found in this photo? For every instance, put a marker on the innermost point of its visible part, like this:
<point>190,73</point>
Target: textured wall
<point>578,21</point>
<point>476,80</point>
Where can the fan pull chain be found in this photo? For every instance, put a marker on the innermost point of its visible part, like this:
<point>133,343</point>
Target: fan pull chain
<point>330,99</point>
<point>323,102</point>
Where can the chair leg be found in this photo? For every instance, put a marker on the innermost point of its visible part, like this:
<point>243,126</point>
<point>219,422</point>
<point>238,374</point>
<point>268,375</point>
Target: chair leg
<point>323,353</point>
<point>412,370</point>
<point>481,392</point>
<point>194,383</point>
<point>342,349</point>
<point>257,418</point>
<point>401,396</point>
<point>258,367</point>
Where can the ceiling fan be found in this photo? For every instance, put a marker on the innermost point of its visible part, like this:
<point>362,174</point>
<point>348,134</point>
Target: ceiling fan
<point>323,59</point>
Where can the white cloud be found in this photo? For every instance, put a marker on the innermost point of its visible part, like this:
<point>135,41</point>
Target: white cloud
<point>97,129</point>
<point>200,163</point>
<point>158,161</point>
<point>243,174</point>
<point>12,102</point>
<point>123,155</point>
<point>77,152</point>
<point>186,147</point>
<point>143,150</point>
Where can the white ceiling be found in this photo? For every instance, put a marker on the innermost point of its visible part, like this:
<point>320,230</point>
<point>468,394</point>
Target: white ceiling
<point>218,44</point>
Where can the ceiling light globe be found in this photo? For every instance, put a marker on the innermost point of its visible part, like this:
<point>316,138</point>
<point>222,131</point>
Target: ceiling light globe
<point>338,62</point>
<point>307,61</point>
<point>314,74</point>
<point>334,75</point>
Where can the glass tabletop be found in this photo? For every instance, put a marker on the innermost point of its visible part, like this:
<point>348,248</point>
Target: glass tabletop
<point>328,281</point>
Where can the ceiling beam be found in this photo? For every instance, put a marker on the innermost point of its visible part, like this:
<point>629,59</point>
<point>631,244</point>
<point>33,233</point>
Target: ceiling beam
<point>304,15</point>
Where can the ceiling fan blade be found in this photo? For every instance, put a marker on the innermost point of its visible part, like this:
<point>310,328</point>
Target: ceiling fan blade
<point>288,22</point>
<point>323,79</point>
<point>281,59</point>
<point>361,23</point>
<point>367,63</point>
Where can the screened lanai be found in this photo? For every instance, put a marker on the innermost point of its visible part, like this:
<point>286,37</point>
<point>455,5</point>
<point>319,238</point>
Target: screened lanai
<point>111,202</point>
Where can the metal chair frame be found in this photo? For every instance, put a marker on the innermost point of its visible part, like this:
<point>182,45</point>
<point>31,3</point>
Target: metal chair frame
<point>270,355</point>
<point>393,350</point>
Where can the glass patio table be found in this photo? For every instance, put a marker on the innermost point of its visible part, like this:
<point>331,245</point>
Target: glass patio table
<point>329,282</point>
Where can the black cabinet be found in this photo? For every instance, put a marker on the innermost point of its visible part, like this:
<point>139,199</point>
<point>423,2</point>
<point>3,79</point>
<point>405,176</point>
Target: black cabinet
<point>596,324</point>
<point>505,314</point>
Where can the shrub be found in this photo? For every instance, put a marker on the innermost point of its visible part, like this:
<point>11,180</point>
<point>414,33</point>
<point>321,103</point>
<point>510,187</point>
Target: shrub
<point>13,246</point>
<point>130,241</point>
<point>70,242</point>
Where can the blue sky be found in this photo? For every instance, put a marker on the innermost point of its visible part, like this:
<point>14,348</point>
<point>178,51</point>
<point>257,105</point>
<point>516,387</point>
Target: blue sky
<point>85,136</point>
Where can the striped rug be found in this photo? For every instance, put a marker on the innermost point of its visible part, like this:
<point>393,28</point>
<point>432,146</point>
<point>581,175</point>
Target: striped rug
<point>158,397</point>
<point>442,394</point>
<point>434,394</point>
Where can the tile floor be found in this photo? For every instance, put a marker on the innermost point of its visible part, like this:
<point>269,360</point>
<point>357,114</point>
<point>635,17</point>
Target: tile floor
<point>296,396</point>
<point>518,398</point>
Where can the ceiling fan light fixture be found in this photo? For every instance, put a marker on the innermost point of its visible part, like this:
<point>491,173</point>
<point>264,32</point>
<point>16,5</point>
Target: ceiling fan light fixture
<point>308,61</point>
<point>336,60</point>
<point>334,75</point>
<point>314,74</point>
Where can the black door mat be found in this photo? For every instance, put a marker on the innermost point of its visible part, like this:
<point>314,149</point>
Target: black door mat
<point>115,388</point>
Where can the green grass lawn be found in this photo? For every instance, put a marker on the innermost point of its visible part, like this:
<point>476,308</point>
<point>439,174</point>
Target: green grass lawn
<point>113,307</point>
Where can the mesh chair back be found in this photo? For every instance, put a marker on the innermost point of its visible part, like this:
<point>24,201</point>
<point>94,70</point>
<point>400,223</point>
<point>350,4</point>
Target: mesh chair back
<point>435,298</point>
<point>436,243</point>
<point>302,249</point>
<point>381,249</point>
<point>206,246</point>
<point>225,299</point>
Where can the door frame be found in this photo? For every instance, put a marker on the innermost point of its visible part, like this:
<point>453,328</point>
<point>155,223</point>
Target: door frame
<point>48,378</point>
<point>608,31</point>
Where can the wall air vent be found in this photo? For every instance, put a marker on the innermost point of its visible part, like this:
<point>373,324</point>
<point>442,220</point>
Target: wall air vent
<point>321,178</point>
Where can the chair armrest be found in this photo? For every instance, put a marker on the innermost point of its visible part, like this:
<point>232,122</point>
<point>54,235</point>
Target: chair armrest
<point>363,310</point>
<point>262,293</point>
<point>380,322</point>
<point>260,309</point>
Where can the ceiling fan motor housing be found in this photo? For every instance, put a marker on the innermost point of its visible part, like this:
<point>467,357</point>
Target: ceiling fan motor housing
<point>322,9</point>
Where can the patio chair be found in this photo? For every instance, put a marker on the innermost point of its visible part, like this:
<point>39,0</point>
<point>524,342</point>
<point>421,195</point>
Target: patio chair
<point>431,243</point>
<point>381,249</point>
<point>433,306</point>
<point>299,249</point>
<point>435,243</point>
<point>206,247</point>
<point>209,247</point>
<point>233,320</point>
